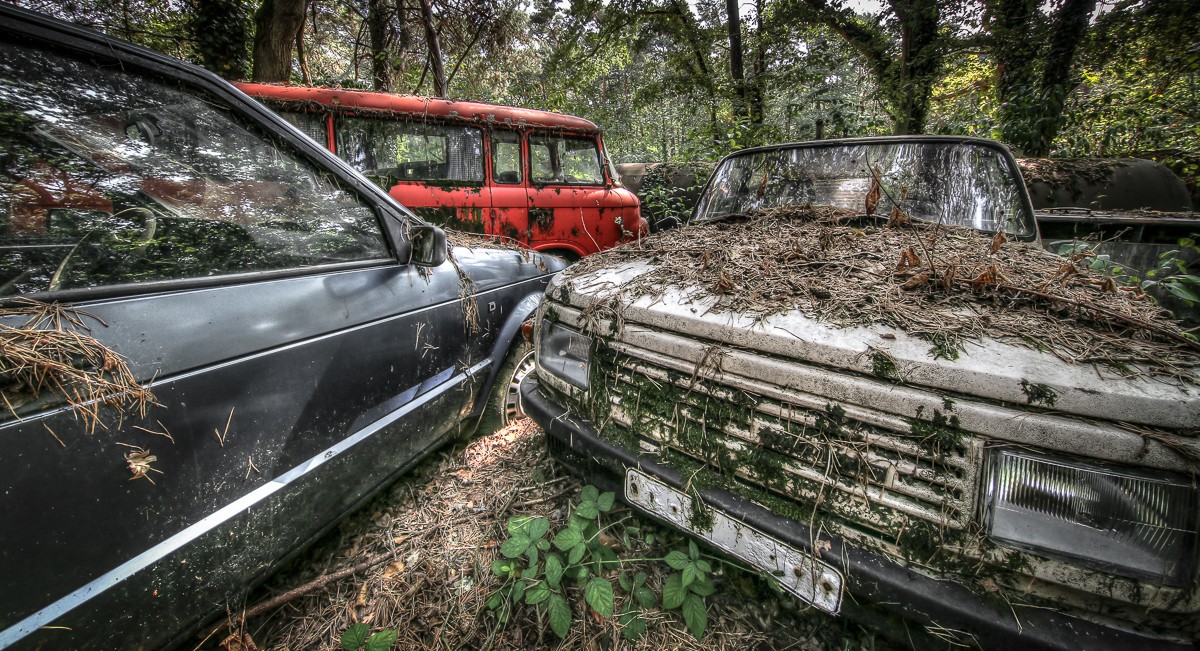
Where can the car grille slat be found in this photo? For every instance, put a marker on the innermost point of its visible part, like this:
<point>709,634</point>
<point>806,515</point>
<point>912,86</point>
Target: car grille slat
<point>871,459</point>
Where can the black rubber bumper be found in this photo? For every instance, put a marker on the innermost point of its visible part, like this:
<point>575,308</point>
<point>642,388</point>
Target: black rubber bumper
<point>870,577</point>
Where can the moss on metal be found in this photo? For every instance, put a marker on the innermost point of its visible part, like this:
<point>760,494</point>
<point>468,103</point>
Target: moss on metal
<point>1038,394</point>
<point>883,365</point>
<point>939,433</point>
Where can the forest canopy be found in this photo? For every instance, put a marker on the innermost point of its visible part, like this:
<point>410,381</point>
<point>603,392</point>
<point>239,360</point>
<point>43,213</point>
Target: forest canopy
<point>680,80</point>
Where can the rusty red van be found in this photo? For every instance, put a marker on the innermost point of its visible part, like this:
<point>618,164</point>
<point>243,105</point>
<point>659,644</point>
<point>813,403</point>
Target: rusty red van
<point>541,178</point>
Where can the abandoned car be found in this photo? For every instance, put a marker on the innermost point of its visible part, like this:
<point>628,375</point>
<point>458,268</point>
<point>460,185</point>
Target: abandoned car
<point>857,372</point>
<point>539,178</point>
<point>216,339</point>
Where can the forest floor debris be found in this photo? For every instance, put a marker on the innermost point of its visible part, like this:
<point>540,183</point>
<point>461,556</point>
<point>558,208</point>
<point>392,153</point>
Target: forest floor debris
<point>417,560</point>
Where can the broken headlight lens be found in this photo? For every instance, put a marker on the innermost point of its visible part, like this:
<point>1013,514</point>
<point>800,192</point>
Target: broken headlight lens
<point>565,353</point>
<point>1128,523</point>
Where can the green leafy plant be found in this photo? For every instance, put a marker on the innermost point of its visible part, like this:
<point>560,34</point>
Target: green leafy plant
<point>360,638</point>
<point>688,586</point>
<point>543,571</point>
<point>663,205</point>
<point>1169,277</point>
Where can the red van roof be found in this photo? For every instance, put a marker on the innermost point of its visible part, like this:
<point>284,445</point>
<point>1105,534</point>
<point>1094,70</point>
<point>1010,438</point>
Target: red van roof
<point>416,105</point>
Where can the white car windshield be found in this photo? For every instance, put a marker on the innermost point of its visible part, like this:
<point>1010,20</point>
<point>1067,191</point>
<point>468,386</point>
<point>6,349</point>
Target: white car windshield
<point>964,183</point>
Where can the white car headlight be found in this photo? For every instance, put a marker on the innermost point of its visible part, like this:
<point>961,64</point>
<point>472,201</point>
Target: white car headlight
<point>1128,523</point>
<point>565,353</point>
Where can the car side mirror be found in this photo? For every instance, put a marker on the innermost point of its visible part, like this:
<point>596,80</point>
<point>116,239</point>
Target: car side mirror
<point>428,245</point>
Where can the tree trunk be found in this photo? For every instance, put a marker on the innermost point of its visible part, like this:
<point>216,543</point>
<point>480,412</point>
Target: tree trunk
<point>1070,26</point>
<point>756,90</point>
<point>691,35</point>
<point>302,57</point>
<point>906,79</point>
<point>1031,107</point>
<point>435,50</point>
<point>378,18</point>
<point>919,66</point>
<point>219,29</point>
<point>277,23</point>
<point>737,70</point>
<point>1015,53</point>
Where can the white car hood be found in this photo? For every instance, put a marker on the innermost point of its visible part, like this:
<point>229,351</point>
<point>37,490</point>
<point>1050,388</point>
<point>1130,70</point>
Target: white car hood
<point>988,369</point>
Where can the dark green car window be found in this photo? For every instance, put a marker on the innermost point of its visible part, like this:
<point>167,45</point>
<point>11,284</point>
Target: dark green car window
<point>119,178</point>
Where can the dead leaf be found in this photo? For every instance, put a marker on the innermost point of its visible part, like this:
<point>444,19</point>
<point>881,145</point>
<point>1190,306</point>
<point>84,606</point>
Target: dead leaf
<point>139,462</point>
<point>724,284</point>
<point>908,258</point>
<point>998,240</point>
<point>948,277</point>
<point>916,281</point>
<point>897,218</point>
<point>989,278</point>
<point>875,192</point>
<point>1066,270</point>
<point>393,569</point>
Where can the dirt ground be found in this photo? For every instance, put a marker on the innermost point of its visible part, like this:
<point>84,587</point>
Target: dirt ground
<point>417,560</point>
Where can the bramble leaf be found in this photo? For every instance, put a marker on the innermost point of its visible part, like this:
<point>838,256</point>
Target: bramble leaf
<point>537,594</point>
<point>515,546</point>
<point>644,596</point>
<point>703,588</point>
<point>382,641</point>
<point>554,570</point>
<point>673,592</point>
<point>587,509</point>
<point>676,559</point>
<point>566,539</point>
<point>537,528</point>
<point>605,502</point>
<point>560,615</point>
<point>695,615</point>
<point>576,554</point>
<point>355,637</point>
<point>599,595</point>
<point>633,626</point>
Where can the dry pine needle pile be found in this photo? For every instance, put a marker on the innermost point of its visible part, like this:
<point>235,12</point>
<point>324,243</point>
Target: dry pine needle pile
<point>947,285</point>
<point>51,354</point>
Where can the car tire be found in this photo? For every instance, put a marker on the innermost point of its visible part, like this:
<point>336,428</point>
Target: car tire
<point>504,403</point>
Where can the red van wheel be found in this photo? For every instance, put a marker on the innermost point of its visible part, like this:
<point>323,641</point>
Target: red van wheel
<point>570,256</point>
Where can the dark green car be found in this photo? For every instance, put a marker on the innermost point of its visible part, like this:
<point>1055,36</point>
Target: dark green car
<point>303,335</point>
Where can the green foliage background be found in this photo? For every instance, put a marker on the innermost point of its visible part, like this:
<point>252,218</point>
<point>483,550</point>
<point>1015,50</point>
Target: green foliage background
<point>656,73</point>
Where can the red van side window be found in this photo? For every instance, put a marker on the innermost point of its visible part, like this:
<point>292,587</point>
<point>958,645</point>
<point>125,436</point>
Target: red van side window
<point>411,151</point>
<point>506,157</point>
<point>563,159</point>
